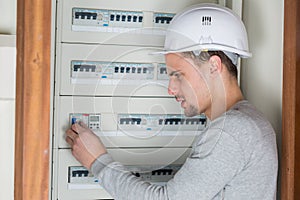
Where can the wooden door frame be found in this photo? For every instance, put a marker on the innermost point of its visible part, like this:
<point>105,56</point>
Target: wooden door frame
<point>290,155</point>
<point>32,136</point>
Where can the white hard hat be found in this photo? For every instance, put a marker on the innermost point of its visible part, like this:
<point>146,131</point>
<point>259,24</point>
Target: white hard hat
<point>206,27</point>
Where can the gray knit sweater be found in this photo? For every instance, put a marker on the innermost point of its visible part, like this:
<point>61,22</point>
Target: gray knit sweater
<point>234,158</point>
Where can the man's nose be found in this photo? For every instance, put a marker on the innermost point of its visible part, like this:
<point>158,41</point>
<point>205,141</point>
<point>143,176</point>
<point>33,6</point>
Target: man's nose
<point>171,88</point>
<point>171,92</point>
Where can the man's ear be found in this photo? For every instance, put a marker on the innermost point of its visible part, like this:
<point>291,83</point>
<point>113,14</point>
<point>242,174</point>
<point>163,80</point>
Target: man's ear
<point>215,65</point>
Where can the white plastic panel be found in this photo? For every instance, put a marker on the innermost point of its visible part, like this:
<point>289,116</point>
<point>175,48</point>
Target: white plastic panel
<point>82,185</point>
<point>118,22</point>
<point>129,122</point>
<point>7,104</point>
<point>111,70</point>
<point>7,140</point>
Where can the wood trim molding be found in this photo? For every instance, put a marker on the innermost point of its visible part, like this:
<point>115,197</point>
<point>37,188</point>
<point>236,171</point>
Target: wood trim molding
<point>32,139</point>
<point>290,155</point>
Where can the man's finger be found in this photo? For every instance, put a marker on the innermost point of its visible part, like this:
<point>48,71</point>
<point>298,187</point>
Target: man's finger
<point>82,124</point>
<point>79,127</point>
<point>72,134</point>
<point>69,141</point>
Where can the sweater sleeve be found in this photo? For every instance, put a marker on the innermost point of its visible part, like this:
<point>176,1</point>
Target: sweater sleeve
<point>122,184</point>
<point>214,161</point>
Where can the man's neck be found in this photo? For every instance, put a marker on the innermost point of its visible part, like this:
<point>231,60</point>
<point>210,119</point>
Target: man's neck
<point>223,101</point>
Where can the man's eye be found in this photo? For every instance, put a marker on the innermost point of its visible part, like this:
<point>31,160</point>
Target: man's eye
<point>177,75</point>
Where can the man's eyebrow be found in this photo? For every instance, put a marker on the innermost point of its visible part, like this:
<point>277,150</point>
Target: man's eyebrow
<point>174,72</point>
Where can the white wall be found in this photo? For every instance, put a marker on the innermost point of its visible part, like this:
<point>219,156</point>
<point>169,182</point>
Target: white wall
<point>261,75</point>
<point>7,114</point>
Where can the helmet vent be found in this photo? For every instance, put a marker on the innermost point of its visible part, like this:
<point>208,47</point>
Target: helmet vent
<point>206,20</point>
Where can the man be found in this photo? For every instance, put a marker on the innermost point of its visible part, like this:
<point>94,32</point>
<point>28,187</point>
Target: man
<point>235,157</point>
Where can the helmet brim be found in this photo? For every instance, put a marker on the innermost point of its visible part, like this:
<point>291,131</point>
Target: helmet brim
<point>205,47</point>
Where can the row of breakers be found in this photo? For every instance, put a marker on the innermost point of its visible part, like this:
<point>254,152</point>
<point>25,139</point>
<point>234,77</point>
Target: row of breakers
<point>144,122</point>
<point>122,16</point>
<point>155,165</point>
<point>100,17</point>
<point>79,177</point>
<point>118,70</point>
<point>129,121</point>
<point>111,70</point>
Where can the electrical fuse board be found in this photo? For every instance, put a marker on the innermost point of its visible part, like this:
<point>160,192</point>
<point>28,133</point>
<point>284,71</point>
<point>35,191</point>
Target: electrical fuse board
<point>127,73</point>
<point>154,165</point>
<point>106,18</point>
<point>79,177</point>
<point>118,22</point>
<point>144,125</point>
<point>106,77</point>
<point>129,121</point>
<point>94,70</point>
<point>160,124</point>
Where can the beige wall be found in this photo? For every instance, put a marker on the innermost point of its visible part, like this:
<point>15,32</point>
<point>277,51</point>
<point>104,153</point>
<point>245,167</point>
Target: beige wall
<point>261,75</point>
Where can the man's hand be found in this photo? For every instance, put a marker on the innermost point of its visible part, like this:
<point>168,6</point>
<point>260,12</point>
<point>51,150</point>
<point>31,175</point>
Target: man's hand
<point>86,146</point>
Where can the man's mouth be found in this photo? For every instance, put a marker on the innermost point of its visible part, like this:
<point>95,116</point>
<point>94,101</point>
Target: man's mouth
<point>181,100</point>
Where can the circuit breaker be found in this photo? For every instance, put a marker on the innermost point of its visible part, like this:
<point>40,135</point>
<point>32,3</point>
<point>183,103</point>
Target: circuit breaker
<point>106,77</point>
